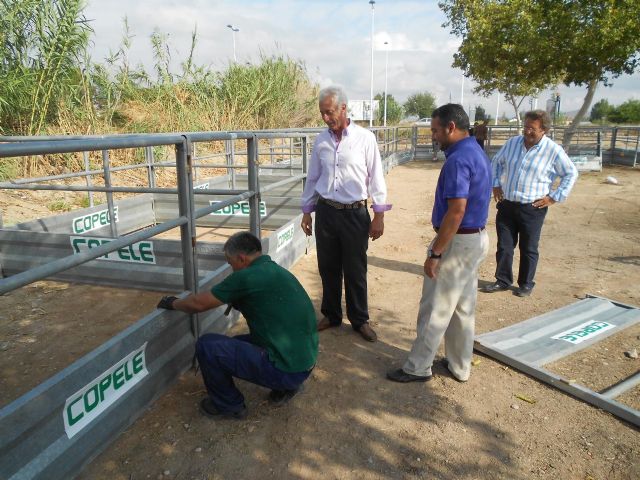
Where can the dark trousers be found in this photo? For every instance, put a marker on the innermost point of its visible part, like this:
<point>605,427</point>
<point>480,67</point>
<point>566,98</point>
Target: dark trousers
<point>221,358</point>
<point>342,239</point>
<point>518,223</point>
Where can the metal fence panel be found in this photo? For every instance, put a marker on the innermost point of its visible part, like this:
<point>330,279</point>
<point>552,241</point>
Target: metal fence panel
<point>132,214</point>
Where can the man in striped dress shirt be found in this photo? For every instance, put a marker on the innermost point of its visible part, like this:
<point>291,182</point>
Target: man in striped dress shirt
<point>523,172</point>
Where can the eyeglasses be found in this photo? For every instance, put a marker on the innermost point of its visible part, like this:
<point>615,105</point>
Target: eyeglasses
<point>532,129</point>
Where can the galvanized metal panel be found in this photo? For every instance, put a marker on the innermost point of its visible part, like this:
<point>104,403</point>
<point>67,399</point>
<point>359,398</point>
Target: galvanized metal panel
<point>532,340</point>
<point>282,203</point>
<point>530,344</point>
<point>22,250</point>
<point>618,409</point>
<point>133,214</point>
<point>34,443</point>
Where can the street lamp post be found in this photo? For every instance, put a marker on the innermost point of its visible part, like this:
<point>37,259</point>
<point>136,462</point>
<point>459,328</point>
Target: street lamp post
<point>372,2</point>
<point>386,66</point>
<point>234,30</point>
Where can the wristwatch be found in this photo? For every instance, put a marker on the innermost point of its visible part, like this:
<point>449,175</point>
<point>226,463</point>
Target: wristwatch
<point>432,254</point>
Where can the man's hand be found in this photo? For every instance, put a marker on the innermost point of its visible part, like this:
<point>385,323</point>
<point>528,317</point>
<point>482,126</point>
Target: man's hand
<point>431,267</point>
<point>544,202</point>
<point>167,302</point>
<point>307,224</point>
<point>498,194</point>
<point>376,229</point>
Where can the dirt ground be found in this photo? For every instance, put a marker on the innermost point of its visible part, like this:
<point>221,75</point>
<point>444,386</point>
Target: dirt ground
<point>351,423</point>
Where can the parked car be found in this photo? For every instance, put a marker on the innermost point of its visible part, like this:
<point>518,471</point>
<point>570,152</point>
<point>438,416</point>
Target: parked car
<point>423,122</point>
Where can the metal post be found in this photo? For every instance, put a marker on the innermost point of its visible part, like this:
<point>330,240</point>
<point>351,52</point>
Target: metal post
<point>635,156</point>
<point>195,168</point>
<point>232,161</point>
<point>107,183</point>
<point>291,157</point>
<point>414,139</point>
<point>372,3</point>
<point>151,176</point>
<point>254,185</point>
<point>614,138</point>
<point>386,66</point>
<point>186,208</point>
<point>87,168</point>
<point>305,168</point>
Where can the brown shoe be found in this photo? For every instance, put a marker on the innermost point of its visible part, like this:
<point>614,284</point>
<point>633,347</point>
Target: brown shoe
<point>324,324</point>
<point>367,333</point>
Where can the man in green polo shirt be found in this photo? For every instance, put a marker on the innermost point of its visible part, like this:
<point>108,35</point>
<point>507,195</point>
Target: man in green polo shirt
<point>281,348</point>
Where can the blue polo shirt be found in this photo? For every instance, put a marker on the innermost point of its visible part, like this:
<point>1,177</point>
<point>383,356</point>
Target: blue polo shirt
<point>466,173</point>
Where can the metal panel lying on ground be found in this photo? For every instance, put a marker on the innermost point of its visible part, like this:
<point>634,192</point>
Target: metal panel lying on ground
<point>531,344</point>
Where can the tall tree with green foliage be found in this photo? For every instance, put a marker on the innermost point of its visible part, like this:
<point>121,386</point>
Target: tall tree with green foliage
<point>600,111</point>
<point>518,45</point>
<point>420,104</point>
<point>499,49</point>
<point>480,114</point>
<point>394,110</point>
<point>600,42</point>
<point>628,112</point>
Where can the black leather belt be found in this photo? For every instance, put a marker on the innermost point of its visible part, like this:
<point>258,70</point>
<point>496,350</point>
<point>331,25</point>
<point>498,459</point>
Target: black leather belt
<point>343,206</point>
<point>464,231</point>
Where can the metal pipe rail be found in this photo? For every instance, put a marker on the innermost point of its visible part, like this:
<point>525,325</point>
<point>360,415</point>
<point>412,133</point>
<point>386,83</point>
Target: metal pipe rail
<point>38,441</point>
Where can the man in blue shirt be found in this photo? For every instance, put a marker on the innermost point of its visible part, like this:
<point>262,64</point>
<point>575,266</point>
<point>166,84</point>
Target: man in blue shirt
<point>524,170</point>
<point>447,307</point>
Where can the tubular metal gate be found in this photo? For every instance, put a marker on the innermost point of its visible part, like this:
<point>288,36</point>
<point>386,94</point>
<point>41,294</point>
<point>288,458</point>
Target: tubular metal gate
<point>63,423</point>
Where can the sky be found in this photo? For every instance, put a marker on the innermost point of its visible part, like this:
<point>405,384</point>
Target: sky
<point>332,38</point>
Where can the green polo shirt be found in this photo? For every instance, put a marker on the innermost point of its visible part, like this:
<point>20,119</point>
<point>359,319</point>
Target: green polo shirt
<point>278,310</point>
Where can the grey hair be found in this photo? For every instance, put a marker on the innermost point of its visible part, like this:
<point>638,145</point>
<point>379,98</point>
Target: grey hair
<point>336,92</point>
<point>242,242</point>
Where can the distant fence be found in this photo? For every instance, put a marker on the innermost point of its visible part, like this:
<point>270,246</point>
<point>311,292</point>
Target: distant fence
<point>616,145</point>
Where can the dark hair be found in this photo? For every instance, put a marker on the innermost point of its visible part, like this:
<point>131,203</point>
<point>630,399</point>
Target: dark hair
<point>543,116</point>
<point>242,242</point>
<point>452,112</point>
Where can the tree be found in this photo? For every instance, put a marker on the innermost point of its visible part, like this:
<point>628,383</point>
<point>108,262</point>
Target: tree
<point>577,42</point>
<point>600,111</point>
<point>497,46</point>
<point>480,114</point>
<point>394,110</point>
<point>628,112</point>
<point>420,104</point>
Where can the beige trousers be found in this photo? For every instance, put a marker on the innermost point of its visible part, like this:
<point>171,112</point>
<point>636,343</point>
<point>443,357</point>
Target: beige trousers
<point>447,308</point>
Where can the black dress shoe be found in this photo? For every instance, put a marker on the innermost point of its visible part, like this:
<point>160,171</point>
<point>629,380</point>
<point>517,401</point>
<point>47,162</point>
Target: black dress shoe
<point>495,287</point>
<point>399,375</point>
<point>523,291</point>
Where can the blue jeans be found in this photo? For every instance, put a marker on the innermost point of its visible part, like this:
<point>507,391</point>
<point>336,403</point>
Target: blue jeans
<point>221,358</point>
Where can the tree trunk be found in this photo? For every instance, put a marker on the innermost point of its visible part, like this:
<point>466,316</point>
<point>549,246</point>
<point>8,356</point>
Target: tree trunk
<point>568,134</point>
<point>512,100</point>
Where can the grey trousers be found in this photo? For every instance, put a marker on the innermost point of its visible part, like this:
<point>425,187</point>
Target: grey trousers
<point>447,308</point>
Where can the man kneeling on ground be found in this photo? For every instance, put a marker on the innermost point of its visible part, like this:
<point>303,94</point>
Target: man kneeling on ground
<point>281,348</point>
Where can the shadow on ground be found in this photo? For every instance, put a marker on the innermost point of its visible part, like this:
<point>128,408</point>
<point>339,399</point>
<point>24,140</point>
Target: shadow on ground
<point>350,422</point>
